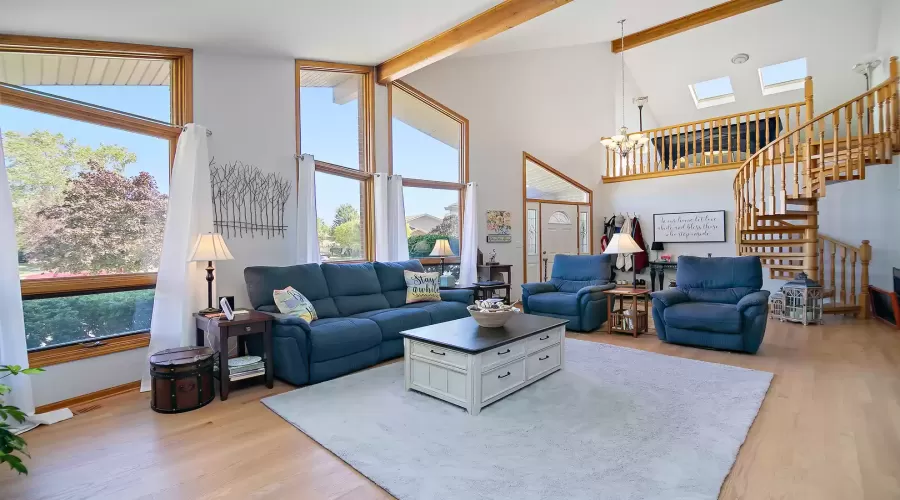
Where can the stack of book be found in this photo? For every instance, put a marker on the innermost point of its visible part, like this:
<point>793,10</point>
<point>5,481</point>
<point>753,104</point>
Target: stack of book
<point>245,367</point>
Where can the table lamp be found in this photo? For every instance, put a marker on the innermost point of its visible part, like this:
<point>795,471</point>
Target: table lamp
<point>657,247</point>
<point>210,247</point>
<point>441,249</point>
<point>624,243</point>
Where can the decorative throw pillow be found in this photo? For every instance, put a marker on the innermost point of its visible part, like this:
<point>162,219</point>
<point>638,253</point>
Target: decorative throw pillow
<point>293,303</point>
<point>422,287</point>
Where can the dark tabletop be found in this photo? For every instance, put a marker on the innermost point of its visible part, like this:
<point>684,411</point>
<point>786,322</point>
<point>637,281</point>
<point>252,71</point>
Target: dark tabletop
<point>467,336</point>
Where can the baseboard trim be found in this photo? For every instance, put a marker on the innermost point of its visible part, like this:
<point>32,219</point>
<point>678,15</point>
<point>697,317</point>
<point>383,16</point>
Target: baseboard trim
<point>91,397</point>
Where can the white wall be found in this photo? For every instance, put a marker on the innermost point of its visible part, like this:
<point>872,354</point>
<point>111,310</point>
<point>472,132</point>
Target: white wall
<point>555,104</point>
<point>69,380</point>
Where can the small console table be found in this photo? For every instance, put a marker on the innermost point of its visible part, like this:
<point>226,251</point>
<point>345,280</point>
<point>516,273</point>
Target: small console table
<point>658,269</point>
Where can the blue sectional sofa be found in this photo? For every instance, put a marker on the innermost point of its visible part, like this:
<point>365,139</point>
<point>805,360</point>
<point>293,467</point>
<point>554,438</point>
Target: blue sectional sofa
<point>574,292</point>
<point>717,303</point>
<point>361,309</point>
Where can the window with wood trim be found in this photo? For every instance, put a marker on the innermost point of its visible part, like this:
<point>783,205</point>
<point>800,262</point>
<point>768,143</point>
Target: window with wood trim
<point>89,132</point>
<point>335,124</point>
<point>429,148</point>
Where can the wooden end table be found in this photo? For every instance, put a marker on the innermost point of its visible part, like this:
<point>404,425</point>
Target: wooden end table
<point>248,324</point>
<point>617,320</point>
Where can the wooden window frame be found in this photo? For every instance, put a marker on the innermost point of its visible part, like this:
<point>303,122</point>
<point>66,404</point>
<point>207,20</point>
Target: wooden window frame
<point>366,171</point>
<point>460,187</point>
<point>181,109</point>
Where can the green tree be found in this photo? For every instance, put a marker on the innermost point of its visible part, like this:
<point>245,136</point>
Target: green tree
<point>348,237</point>
<point>322,229</point>
<point>344,213</point>
<point>449,226</point>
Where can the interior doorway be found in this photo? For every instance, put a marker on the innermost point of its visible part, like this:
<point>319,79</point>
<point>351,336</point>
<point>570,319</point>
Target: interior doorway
<point>558,214</point>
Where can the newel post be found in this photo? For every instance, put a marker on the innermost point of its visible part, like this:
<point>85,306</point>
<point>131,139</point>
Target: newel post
<point>865,256</point>
<point>808,96</point>
<point>895,103</point>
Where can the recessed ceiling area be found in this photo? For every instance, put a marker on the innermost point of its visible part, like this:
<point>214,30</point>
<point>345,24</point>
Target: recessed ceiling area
<point>350,31</point>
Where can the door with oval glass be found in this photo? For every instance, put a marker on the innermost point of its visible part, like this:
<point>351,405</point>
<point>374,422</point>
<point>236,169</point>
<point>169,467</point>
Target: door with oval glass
<point>559,232</point>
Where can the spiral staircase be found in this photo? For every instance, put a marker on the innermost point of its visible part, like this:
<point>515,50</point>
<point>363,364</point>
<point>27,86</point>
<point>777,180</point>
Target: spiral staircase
<point>777,192</point>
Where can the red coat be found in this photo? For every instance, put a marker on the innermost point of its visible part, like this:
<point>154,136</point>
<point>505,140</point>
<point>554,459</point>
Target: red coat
<point>641,260</point>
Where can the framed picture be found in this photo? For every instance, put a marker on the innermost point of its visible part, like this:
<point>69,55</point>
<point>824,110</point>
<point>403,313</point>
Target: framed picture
<point>499,222</point>
<point>689,227</point>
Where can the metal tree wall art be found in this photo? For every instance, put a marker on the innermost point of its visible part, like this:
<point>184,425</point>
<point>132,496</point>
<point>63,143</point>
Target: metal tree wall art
<point>247,201</point>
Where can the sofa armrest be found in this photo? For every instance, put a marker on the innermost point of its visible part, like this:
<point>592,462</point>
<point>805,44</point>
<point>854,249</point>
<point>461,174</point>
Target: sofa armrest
<point>670,297</point>
<point>758,298</point>
<point>535,288</point>
<point>595,291</point>
<point>461,295</point>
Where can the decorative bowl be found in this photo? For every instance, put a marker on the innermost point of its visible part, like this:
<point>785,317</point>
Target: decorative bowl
<point>492,317</point>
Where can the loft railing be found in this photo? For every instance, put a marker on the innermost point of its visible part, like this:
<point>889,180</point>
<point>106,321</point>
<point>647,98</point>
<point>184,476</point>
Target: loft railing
<point>835,145</point>
<point>719,143</point>
<point>844,264</point>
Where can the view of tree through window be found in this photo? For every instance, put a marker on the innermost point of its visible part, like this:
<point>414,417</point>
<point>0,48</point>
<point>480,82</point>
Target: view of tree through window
<point>341,228</point>
<point>88,200</point>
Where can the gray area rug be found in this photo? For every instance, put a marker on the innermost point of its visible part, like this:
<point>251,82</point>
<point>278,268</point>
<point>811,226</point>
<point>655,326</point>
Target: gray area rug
<point>615,423</point>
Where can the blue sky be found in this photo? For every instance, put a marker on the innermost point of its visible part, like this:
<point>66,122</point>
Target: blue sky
<point>330,133</point>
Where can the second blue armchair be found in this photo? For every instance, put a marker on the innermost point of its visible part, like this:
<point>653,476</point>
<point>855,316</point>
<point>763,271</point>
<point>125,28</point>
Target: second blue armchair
<point>574,292</point>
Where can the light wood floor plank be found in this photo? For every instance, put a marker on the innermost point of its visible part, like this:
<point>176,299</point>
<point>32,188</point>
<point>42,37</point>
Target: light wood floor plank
<point>828,429</point>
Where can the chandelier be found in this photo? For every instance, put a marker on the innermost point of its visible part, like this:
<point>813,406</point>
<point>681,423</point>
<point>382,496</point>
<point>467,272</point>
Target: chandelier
<point>623,142</point>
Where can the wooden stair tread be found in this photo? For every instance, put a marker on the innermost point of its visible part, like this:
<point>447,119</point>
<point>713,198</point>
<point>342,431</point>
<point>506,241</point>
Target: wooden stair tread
<point>776,230</point>
<point>775,243</point>
<point>788,215</point>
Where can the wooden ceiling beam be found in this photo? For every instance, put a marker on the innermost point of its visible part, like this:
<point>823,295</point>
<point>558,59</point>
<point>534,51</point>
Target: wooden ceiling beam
<point>689,22</point>
<point>497,19</point>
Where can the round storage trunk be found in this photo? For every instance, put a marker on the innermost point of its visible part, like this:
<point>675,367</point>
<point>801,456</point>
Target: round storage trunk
<point>182,379</point>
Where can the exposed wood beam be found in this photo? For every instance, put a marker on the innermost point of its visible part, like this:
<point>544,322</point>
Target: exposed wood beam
<point>497,19</point>
<point>689,22</point>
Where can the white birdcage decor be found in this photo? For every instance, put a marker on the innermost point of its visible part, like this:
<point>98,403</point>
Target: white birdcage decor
<point>802,300</point>
<point>776,306</point>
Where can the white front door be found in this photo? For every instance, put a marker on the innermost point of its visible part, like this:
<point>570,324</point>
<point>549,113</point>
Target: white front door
<point>532,243</point>
<point>559,232</point>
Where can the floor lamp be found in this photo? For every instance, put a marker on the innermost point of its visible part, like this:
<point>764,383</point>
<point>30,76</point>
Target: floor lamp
<point>624,243</point>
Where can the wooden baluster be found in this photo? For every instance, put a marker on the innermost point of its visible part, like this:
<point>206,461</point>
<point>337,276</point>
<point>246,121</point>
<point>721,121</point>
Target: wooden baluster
<point>870,117</point>
<point>641,158</point>
<point>865,256</point>
<point>797,109</point>
<point>755,148</point>
<point>848,162</point>
<point>822,149</point>
<point>657,140</point>
<point>835,144</point>
<point>607,162</point>
<point>796,165</point>
<point>884,153</point>
<point>770,153</point>
<point>728,131</point>
<point>844,275</point>
<point>783,196</point>
<point>753,211</point>
<point>693,160</point>
<point>711,157</point>
<point>860,139</point>
<point>762,183</point>
<point>853,277</point>
<point>895,103</point>
<point>807,164</point>
<point>746,137</point>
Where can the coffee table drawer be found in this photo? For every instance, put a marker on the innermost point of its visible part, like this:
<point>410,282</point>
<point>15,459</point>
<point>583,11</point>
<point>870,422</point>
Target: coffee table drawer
<point>539,362</point>
<point>541,340</point>
<point>502,355</point>
<point>440,354</point>
<point>500,379</point>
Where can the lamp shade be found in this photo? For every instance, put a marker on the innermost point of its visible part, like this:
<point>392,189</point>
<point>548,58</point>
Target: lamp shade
<point>657,246</point>
<point>622,243</point>
<point>441,249</point>
<point>209,247</point>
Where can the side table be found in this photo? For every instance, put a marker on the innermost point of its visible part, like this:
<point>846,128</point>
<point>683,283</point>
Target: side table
<point>248,324</point>
<point>617,320</point>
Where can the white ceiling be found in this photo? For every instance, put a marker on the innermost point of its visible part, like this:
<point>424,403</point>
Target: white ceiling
<point>351,31</point>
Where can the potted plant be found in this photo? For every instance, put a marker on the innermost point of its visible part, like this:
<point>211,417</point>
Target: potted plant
<point>11,445</point>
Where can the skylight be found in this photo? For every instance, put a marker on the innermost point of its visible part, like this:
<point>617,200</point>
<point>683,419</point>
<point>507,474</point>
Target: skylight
<point>783,77</point>
<point>712,92</point>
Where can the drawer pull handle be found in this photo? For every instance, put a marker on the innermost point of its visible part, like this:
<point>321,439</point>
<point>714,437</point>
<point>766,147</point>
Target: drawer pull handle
<point>544,338</point>
<point>545,357</point>
<point>504,352</point>
<point>438,353</point>
<point>247,328</point>
<point>503,376</point>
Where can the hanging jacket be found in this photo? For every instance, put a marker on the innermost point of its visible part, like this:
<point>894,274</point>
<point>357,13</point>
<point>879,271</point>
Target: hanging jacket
<point>641,260</point>
<point>609,229</point>
<point>624,261</point>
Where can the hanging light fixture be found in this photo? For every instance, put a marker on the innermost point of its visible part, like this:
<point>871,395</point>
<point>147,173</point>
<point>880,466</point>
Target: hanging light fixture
<point>624,142</point>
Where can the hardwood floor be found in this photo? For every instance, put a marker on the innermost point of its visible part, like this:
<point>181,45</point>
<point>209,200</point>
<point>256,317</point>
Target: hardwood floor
<point>828,429</point>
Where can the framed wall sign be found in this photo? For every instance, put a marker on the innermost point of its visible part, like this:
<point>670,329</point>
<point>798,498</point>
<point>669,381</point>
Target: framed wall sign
<point>689,227</point>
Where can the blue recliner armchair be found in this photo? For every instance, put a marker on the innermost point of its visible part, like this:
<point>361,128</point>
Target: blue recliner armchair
<point>574,292</point>
<point>717,303</point>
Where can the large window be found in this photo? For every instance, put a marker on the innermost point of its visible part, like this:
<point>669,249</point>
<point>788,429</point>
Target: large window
<point>335,125</point>
<point>428,148</point>
<point>89,129</point>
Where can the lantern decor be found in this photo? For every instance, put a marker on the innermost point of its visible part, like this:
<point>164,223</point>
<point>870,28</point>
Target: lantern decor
<point>802,300</point>
<point>776,306</point>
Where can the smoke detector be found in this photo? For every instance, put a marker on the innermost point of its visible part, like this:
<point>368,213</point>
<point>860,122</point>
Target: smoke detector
<point>740,58</point>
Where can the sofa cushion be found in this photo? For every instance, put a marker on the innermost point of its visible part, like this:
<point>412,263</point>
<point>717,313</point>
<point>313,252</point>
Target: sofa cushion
<point>719,295</point>
<point>354,287</point>
<point>441,311</point>
<point>307,279</point>
<point>390,275</point>
<point>337,337</point>
<point>393,321</point>
<point>704,316</point>
<point>554,302</point>
<point>719,272</point>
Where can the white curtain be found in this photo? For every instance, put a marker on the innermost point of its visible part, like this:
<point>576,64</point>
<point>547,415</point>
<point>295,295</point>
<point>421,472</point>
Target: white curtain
<point>468,255</point>
<point>13,350</point>
<point>307,221</point>
<point>180,284</point>
<point>391,243</point>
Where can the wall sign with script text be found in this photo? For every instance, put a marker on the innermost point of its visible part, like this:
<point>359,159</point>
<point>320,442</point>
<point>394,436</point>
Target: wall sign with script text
<point>689,227</point>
